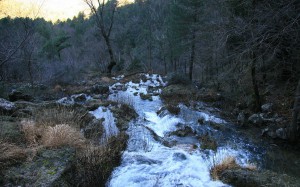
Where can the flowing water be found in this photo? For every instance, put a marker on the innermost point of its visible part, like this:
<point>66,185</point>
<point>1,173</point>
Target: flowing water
<point>148,162</point>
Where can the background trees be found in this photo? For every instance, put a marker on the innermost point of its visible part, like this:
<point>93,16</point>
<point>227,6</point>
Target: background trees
<point>242,48</point>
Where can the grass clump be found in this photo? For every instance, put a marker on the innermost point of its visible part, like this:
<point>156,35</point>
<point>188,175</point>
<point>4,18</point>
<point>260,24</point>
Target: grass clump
<point>58,115</point>
<point>61,135</point>
<point>228,163</point>
<point>94,164</point>
<point>10,154</point>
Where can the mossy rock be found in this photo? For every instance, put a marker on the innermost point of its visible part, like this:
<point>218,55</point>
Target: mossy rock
<point>146,96</point>
<point>10,130</point>
<point>173,109</point>
<point>255,178</point>
<point>208,142</point>
<point>175,94</point>
<point>184,132</point>
<point>45,170</point>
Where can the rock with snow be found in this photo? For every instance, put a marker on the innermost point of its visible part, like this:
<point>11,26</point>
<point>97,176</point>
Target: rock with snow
<point>255,119</point>
<point>16,95</point>
<point>100,89</point>
<point>79,98</point>
<point>6,106</point>
<point>267,107</point>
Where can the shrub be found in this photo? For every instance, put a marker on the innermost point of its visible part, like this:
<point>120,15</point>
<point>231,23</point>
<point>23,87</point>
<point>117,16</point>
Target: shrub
<point>178,78</point>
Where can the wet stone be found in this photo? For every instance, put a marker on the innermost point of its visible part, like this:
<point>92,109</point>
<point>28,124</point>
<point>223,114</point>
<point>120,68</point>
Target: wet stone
<point>179,156</point>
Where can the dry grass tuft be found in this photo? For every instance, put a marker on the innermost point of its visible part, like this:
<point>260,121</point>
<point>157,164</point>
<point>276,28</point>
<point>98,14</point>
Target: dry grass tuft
<point>94,164</point>
<point>58,115</point>
<point>31,132</point>
<point>51,136</point>
<point>10,154</point>
<point>61,135</point>
<point>227,163</point>
<point>251,167</point>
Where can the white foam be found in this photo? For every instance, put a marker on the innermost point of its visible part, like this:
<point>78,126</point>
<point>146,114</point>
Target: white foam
<point>161,125</point>
<point>109,122</point>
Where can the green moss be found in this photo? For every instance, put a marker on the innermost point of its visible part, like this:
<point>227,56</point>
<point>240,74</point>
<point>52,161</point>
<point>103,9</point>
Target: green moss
<point>208,142</point>
<point>9,130</point>
<point>146,96</point>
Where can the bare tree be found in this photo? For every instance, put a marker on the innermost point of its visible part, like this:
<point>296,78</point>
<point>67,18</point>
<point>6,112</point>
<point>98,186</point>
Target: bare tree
<point>104,12</point>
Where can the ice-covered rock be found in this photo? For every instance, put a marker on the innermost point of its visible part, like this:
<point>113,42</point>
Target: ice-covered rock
<point>6,106</point>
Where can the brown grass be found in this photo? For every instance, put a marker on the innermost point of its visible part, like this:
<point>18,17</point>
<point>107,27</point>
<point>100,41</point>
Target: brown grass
<point>227,163</point>
<point>58,115</point>
<point>10,154</point>
<point>31,132</point>
<point>94,164</point>
<point>61,135</point>
<point>51,136</point>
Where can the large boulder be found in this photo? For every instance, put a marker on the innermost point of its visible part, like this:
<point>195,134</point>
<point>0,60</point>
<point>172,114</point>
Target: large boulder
<point>16,95</point>
<point>6,106</point>
<point>256,178</point>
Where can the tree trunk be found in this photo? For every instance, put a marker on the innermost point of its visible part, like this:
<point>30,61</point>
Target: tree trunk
<point>192,56</point>
<point>293,131</point>
<point>111,55</point>
<point>257,102</point>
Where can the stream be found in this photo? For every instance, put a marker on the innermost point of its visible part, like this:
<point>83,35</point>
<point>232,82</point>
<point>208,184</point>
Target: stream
<point>148,162</point>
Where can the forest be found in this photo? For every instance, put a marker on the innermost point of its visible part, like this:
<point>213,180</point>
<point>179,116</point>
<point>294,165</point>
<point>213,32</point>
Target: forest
<point>243,54</point>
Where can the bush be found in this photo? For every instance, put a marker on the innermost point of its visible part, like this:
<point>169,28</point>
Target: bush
<point>178,78</point>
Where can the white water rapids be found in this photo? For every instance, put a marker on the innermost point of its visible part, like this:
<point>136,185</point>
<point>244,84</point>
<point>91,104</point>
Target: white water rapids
<point>148,163</point>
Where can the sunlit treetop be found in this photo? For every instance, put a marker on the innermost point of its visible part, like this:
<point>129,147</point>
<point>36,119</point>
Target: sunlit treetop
<point>51,10</point>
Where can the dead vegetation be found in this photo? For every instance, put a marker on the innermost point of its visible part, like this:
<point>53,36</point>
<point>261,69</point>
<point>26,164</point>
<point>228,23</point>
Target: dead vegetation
<point>11,154</point>
<point>227,163</point>
<point>94,164</point>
